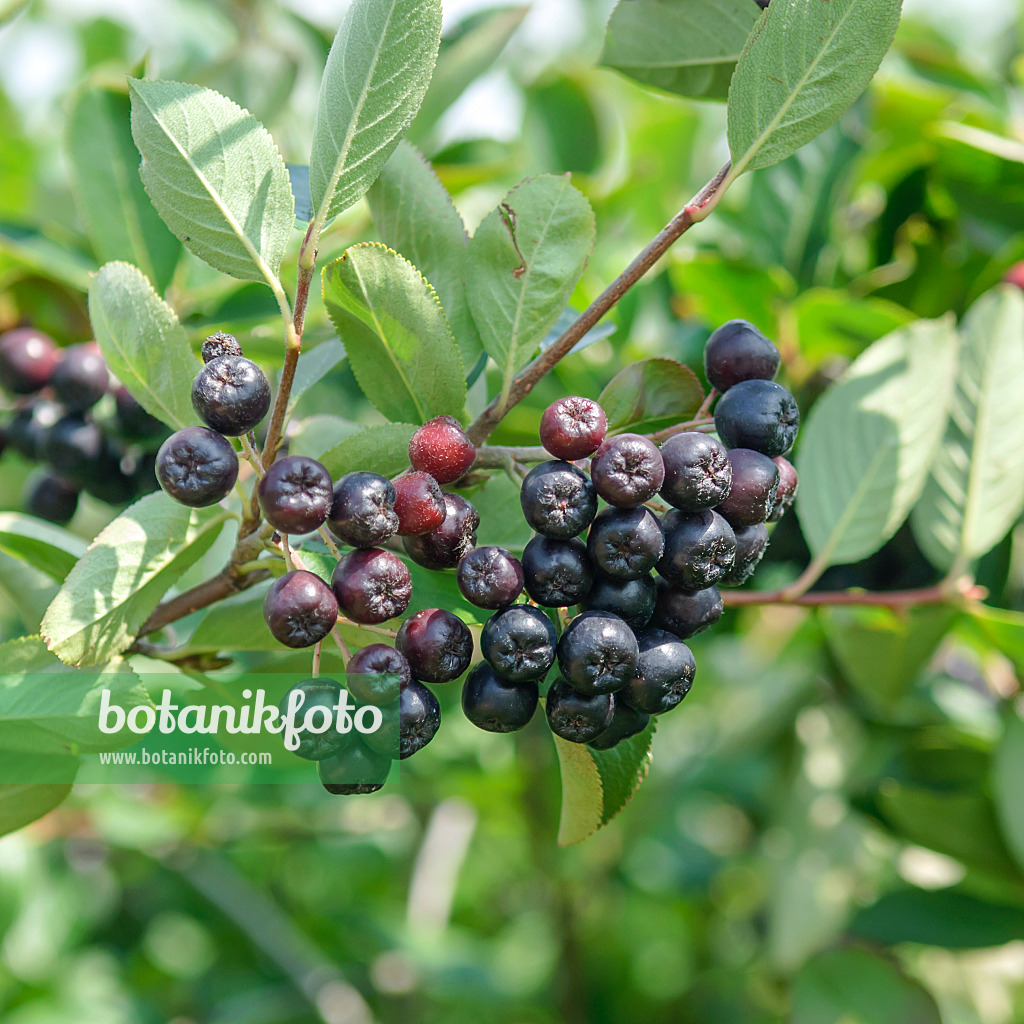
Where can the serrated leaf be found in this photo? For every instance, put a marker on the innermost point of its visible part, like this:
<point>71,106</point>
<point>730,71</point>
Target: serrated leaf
<point>597,784</point>
<point>415,216</point>
<point>144,345</point>
<point>40,544</point>
<point>1007,772</point>
<point>651,394</point>
<point>319,433</point>
<point>314,364</point>
<point>394,330</point>
<point>382,449</point>
<point>123,575</point>
<point>975,491</point>
<point>215,177</point>
<point>524,262</point>
<point>805,62</point>
<point>871,439</point>
<point>686,48</point>
<point>376,76</point>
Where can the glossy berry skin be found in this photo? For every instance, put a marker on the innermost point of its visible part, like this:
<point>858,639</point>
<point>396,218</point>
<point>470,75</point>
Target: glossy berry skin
<point>197,467</point>
<point>419,504</point>
<point>519,643</point>
<point>490,577</point>
<point>625,543</point>
<point>627,470</point>
<point>632,600</point>
<point>316,693</point>
<point>785,493</point>
<point>220,344</point>
<point>442,448</point>
<point>81,378</point>
<point>577,717</point>
<point>28,359</point>
<point>597,653</point>
<point>664,673</point>
<point>758,414</point>
<point>573,428</point>
<point>496,705</point>
<point>133,422</point>
<point>444,546</point>
<point>751,544</point>
<point>557,573</point>
<point>755,481</point>
<point>296,494</point>
<point>698,473</point>
<point>626,722</point>
<point>558,500</point>
<point>686,614</point>
<point>738,351</point>
<point>437,645</point>
<point>376,673</point>
<point>419,718</point>
<point>363,510</point>
<point>231,394</point>
<point>28,432</point>
<point>51,498</point>
<point>300,609</point>
<point>354,769</point>
<point>699,549</point>
<point>372,585</point>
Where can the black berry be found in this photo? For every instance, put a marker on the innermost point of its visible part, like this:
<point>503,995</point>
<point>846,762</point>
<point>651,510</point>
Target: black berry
<point>363,510</point>
<point>664,673</point>
<point>441,448</point>
<point>557,573</point>
<point>133,422</point>
<point>28,432</point>
<point>496,705</point>
<point>631,600</point>
<point>699,549</point>
<point>490,577</point>
<point>296,494</point>
<point>738,351</point>
<point>751,544</point>
<point>698,473</point>
<point>558,500</point>
<point>300,609</point>
<point>321,694</point>
<point>419,718</point>
<point>519,643</point>
<point>444,545</point>
<point>758,414</point>
<point>577,717</point>
<point>626,722</point>
<point>197,466</point>
<point>375,674</point>
<point>51,498</point>
<point>81,378</point>
<point>354,769</point>
<point>419,504</point>
<point>627,470</point>
<point>597,653</point>
<point>686,614</point>
<point>625,543</point>
<point>78,451</point>
<point>231,394</point>
<point>437,645</point>
<point>755,480</point>
<point>372,586</point>
<point>786,492</point>
<point>111,484</point>
<point>573,428</point>
<point>220,344</point>
<point>28,359</point>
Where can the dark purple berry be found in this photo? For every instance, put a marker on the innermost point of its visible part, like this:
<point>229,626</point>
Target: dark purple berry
<point>443,546</point>
<point>220,344</point>
<point>557,573</point>
<point>81,378</point>
<point>625,543</point>
<point>111,484</point>
<point>558,500</point>
<point>627,470</point>
<point>355,769</point>
<point>28,432</point>
<point>496,705</point>
<point>664,673</point>
<point>626,722</point>
<point>296,494</point>
<point>28,359</point>
<point>786,492</point>
<point>363,510</point>
<point>577,717</point>
<point>437,645</point>
<point>755,479</point>
<point>442,448</point>
<point>699,549</point>
<point>738,351</point>
<point>597,653</point>
<point>758,414</point>
<point>133,422</point>
<point>375,674</point>
<point>419,718</point>
<point>573,428</point>
<point>300,609</point>
<point>317,698</point>
<point>77,450</point>
<point>231,394</point>
<point>686,614</point>
<point>51,498</point>
<point>197,467</point>
<point>419,504</point>
<point>519,643</point>
<point>372,586</point>
<point>751,544</point>
<point>698,473</point>
<point>490,577</point>
<point>631,600</point>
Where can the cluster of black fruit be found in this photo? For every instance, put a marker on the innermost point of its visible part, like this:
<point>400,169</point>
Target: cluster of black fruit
<point>69,413</point>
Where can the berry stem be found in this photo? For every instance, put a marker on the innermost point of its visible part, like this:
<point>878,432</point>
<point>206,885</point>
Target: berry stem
<point>329,541</point>
<point>287,552</point>
<point>695,211</point>
<point>342,646</point>
<point>960,591</point>
<point>315,670</point>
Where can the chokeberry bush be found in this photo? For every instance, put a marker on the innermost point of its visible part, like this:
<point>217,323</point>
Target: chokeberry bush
<point>393,418</point>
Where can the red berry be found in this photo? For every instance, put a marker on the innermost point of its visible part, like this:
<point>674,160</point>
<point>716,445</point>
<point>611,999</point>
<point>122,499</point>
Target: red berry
<point>789,484</point>
<point>442,449</point>
<point>419,504</point>
<point>573,428</point>
<point>28,359</point>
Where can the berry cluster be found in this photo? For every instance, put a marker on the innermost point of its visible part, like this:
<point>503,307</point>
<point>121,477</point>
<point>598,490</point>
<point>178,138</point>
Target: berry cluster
<point>71,415</point>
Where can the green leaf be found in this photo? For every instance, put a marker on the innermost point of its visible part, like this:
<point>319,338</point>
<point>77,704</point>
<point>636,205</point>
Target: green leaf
<point>394,330</point>
<point>853,986</point>
<point>123,575</point>
<point>1003,629</point>
<point>48,708</point>
<point>377,73</point>
<point>650,395</point>
<point>687,48</point>
<point>22,803</point>
<point>415,216</point>
<point>143,343</point>
<point>524,262</point>
<point>51,260</point>
<point>1007,773</point>
<point>597,784</point>
<point>40,544</point>
<point>115,210</point>
<point>804,63</point>
<point>28,590</point>
<point>871,439</point>
<point>975,491</point>
<point>381,449</point>
<point>319,433</point>
<point>215,177</point>
<point>314,364</point>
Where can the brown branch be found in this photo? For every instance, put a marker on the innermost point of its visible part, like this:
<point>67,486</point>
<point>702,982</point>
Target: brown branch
<point>941,593</point>
<point>215,589</point>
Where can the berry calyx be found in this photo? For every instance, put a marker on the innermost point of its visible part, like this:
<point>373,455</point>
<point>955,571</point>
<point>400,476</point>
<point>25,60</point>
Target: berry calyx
<point>437,645</point>
<point>698,473</point>
<point>699,549</point>
<point>315,702</point>
<point>372,585</point>
<point>686,614</point>
<point>419,503</point>
<point>751,544</point>
<point>354,769</point>
<point>444,546</point>
<point>51,498</point>
<point>296,494</point>
<point>627,470</point>
<point>197,467</point>
<point>28,359</point>
<point>785,493</point>
<point>442,448</point>
<point>556,573</point>
<point>626,722</point>
<point>419,718</point>
<point>758,414</point>
<point>577,717</point>
<point>375,674</point>
<point>738,351</point>
<point>81,378</point>
<point>573,428</point>
<point>597,653</point>
<point>558,500</point>
<point>664,673</point>
<point>495,704</point>
<point>362,510</point>
<point>231,394</point>
<point>300,609</point>
<point>755,481</point>
<point>220,344</point>
<point>519,643</point>
<point>625,543</point>
<point>631,600</point>
<point>490,577</point>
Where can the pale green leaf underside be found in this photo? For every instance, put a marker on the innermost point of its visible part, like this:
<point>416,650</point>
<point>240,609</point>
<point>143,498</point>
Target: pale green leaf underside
<point>871,439</point>
<point>42,545</point>
<point>806,61</point>
<point>376,76</point>
<point>143,343</point>
<point>975,491</point>
<point>123,575</point>
<point>215,177</point>
<point>687,48</point>
<point>394,330</point>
